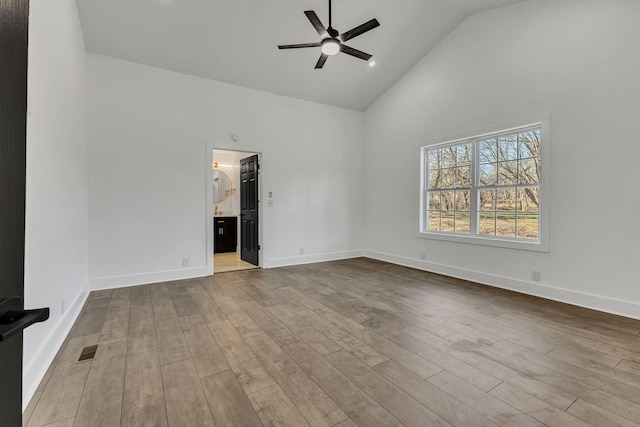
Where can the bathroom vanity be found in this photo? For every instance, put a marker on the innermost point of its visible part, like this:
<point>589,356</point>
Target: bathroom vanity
<point>225,233</point>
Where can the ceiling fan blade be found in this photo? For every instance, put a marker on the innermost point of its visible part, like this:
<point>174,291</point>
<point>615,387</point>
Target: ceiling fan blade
<point>317,24</point>
<point>321,61</point>
<point>355,32</point>
<point>298,46</point>
<point>355,52</point>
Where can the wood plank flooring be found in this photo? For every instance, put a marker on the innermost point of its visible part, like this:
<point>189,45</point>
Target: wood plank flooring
<point>354,342</point>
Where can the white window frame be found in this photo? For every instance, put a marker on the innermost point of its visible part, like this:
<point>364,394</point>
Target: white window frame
<point>539,245</point>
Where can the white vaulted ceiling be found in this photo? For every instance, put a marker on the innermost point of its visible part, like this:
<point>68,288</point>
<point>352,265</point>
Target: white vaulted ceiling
<point>235,41</point>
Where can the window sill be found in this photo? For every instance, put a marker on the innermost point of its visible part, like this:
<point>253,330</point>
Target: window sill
<point>536,246</point>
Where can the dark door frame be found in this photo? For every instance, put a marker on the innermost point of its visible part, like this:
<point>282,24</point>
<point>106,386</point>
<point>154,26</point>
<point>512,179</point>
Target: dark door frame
<point>14,33</point>
<point>238,148</point>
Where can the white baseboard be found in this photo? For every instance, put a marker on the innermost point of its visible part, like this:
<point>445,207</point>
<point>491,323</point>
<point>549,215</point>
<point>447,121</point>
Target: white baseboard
<point>310,259</point>
<point>114,282</point>
<point>582,299</point>
<point>33,373</point>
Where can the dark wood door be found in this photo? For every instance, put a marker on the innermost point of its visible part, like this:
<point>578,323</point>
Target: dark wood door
<point>13,136</point>
<point>14,30</point>
<point>249,210</point>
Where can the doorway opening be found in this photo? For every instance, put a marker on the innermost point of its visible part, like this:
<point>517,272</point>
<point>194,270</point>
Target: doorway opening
<point>235,194</point>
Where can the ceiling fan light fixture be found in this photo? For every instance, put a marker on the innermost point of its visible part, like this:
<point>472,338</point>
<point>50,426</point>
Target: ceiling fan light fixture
<point>331,40</point>
<point>330,47</point>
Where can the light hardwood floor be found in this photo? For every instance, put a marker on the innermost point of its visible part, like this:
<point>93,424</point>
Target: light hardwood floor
<point>230,261</point>
<point>355,342</point>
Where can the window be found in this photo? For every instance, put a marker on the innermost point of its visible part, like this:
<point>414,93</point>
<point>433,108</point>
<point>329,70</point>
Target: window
<point>486,189</point>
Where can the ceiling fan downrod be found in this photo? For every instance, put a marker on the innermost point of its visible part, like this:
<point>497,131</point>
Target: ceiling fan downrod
<point>332,32</point>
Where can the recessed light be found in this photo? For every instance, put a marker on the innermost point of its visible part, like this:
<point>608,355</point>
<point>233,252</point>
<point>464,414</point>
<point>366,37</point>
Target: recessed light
<point>372,63</point>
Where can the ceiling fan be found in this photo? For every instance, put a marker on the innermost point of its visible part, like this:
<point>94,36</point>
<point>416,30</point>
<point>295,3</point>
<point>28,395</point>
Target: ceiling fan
<point>332,42</point>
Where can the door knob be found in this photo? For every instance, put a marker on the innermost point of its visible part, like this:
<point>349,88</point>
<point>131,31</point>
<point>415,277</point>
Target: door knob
<point>14,318</point>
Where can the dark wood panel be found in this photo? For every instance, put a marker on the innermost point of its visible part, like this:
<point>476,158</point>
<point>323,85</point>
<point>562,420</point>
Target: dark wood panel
<point>249,210</point>
<point>14,33</point>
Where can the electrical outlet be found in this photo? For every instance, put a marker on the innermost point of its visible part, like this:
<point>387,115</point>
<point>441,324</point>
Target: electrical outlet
<point>269,203</point>
<point>301,251</point>
<point>185,262</point>
<point>535,276</point>
<point>423,256</point>
<point>62,306</point>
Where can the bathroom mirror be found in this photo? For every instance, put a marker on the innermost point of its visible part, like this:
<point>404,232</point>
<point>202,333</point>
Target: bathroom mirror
<point>222,188</point>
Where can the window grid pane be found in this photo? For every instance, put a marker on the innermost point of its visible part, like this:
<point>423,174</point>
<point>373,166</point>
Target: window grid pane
<point>487,223</point>
<point>450,176</point>
<point>433,221</point>
<point>507,191</point>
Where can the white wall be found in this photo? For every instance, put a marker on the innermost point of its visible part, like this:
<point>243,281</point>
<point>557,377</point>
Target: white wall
<point>576,59</point>
<point>148,132</point>
<point>57,200</point>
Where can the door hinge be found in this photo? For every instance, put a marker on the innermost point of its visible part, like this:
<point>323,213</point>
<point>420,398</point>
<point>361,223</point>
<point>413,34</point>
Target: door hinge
<point>258,247</point>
